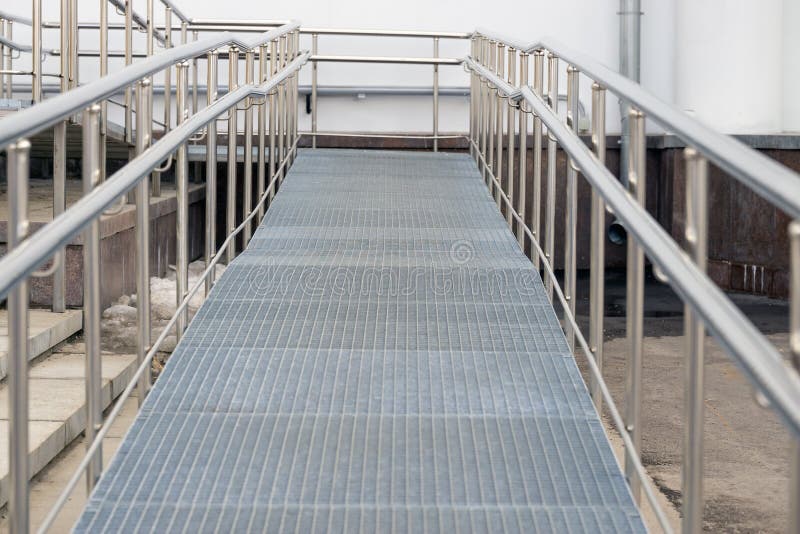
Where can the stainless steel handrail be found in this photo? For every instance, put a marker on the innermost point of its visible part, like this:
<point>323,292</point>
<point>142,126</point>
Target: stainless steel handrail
<point>765,176</point>
<point>59,108</point>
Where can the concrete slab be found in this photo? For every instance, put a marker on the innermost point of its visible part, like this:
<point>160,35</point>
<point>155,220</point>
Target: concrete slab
<point>57,406</point>
<point>46,330</point>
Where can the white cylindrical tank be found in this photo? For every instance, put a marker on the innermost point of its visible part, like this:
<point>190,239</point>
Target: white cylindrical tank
<point>729,63</point>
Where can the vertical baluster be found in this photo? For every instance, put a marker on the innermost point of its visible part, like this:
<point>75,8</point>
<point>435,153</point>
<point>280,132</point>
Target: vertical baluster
<point>60,158</point>
<point>211,170</point>
<point>498,127</point>
<point>74,45</point>
<point>536,223</point>
<point>195,76</point>
<point>523,152</point>
<point>635,304</point>
<point>247,200</point>
<point>597,236</point>
<point>262,132</point>
<point>182,196</point>
<point>273,62</point>
<point>281,109</point>
<point>3,58</point>
<point>91,294</point>
<point>696,242</point>
<point>314,96</point>
<point>492,116</point>
<point>103,73</point>
<point>128,61</point>
<point>550,208</point>
<point>436,96</point>
<point>233,83</point>
<point>512,125</point>
<point>483,112</point>
<point>472,99</point>
<point>18,168</point>
<point>571,222</point>
<point>295,93</point>
<point>142,193</point>
<point>9,60</point>
<point>36,51</point>
<point>794,340</point>
<point>155,188</point>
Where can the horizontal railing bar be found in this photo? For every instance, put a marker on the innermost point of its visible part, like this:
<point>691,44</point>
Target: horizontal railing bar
<point>51,111</point>
<point>754,354</point>
<point>387,59</point>
<point>241,25</point>
<point>765,176</point>
<point>5,15</point>
<point>23,260</point>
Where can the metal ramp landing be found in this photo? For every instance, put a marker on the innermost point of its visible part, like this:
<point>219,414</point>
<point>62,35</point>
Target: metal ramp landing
<point>381,358</point>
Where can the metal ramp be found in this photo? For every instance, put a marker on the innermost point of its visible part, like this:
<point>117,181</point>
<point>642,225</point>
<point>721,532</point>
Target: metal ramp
<point>381,358</point>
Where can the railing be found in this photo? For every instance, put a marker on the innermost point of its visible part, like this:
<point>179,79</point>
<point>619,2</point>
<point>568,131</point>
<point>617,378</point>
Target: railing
<point>706,307</point>
<point>275,89</point>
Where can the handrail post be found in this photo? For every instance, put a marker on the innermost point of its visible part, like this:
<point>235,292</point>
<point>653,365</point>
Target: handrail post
<point>472,101</point>
<point>436,96</point>
<point>498,127</point>
<point>635,305</point>
<point>128,61</point>
<point>91,295</point>
<point>18,506</point>
<point>103,104</point>
<point>794,341</point>
<point>484,113</point>
<point>512,126</point>
<point>273,52</point>
<point>155,186</point>
<point>523,152</point>
<point>550,208</point>
<point>281,109</point>
<point>2,58</point>
<point>247,199</point>
<point>492,95</point>
<point>182,196</point>
<point>314,96</point>
<point>211,170</point>
<point>60,159</point>
<point>538,88</point>
<point>696,243</point>
<point>262,130</point>
<point>571,208</point>
<point>295,97</point>
<point>597,252</point>
<point>233,83</point>
<point>9,60</point>
<point>142,193</point>
<point>36,52</point>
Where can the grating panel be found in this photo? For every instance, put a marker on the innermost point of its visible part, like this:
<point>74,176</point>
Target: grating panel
<point>381,358</point>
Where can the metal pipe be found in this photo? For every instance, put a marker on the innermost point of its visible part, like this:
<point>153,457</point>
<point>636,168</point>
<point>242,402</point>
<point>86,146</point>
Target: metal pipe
<point>233,83</point>
<point>696,243</point>
<point>630,43</point>
<point>103,72</point>
<point>571,222</point>
<point>281,111</point>
<point>247,200</point>
<point>273,65</point>
<point>36,52</point>
<point>498,127</point>
<point>794,345</point>
<point>2,56</point>
<point>492,65</point>
<point>512,125</point>
<point>597,252</point>
<point>60,162</point>
<point>182,195</point>
<point>211,169</point>
<point>635,303</point>
<point>142,193</point>
<point>9,60</point>
<point>524,80</point>
<point>314,67</point>
<point>91,294</point>
<point>550,207</point>
<point>483,112</point>
<point>472,100</point>
<point>436,96</point>
<point>262,131</point>
<point>128,61</point>
<point>18,506</point>
<point>536,224</point>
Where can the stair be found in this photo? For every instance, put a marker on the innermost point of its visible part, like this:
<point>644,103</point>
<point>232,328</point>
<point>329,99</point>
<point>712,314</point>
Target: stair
<point>46,330</point>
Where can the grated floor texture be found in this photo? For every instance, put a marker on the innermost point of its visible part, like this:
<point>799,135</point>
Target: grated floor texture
<point>381,358</point>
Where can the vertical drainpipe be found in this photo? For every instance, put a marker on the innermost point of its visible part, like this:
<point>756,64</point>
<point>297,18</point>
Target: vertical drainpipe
<point>630,44</point>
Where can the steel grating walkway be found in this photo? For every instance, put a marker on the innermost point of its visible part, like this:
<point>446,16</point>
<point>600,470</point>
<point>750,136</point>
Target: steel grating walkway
<point>381,358</point>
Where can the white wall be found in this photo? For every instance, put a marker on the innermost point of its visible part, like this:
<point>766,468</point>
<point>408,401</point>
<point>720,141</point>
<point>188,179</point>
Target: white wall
<point>733,63</point>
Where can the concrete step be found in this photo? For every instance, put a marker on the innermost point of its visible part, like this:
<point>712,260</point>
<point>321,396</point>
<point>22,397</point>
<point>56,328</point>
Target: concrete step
<point>46,330</point>
<point>57,404</point>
